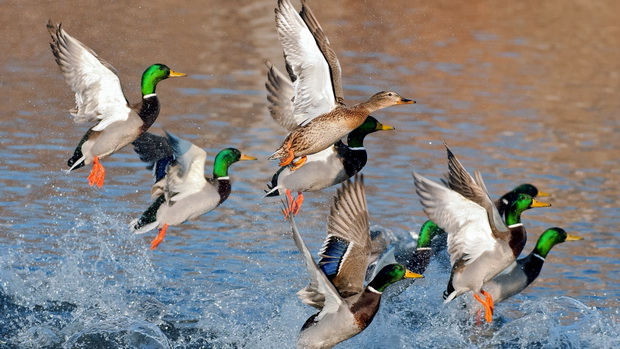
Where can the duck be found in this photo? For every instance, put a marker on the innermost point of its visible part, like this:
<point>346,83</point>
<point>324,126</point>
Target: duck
<point>181,191</point>
<point>100,100</point>
<point>521,273</point>
<point>318,100</point>
<point>524,188</point>
<point>418,258</point>
<point>335,163</point>
<point>346,307</point>
<point>480,244</point>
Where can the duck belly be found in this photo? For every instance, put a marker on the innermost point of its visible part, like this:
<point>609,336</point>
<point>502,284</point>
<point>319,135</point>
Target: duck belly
<point>113,138</point>
<point>328,332</point>
<point>188,208</point>
<point>471,277</point>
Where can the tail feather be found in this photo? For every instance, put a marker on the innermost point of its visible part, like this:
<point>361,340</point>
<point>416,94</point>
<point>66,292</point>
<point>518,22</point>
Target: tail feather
<point>148,220</point>
<point>77,160</point>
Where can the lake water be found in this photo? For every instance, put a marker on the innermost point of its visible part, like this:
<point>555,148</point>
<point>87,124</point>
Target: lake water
<point>523,92</point>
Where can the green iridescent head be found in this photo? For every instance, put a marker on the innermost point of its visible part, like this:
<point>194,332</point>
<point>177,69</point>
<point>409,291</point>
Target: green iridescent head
<point>552,237</point>
<point>427,232</point>
<point>390,274</point>
<point>370,125</point>
<point>154,74</point>
<point>225,158</point>
<point>517,204</point>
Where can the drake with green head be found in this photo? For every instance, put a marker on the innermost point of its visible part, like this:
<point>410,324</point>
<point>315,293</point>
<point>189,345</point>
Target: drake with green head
<point>480,244</point>
<point>318,102</point>
<point>524,188</point>
<point>336,288</point>
<point>417,259</point>
<point>100,100</point>
<point>524,271</point>
<point>181,190</point>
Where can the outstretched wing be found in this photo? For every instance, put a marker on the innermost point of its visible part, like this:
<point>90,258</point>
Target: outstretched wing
<point>186,174</point>
<point>98,92</point>
<point>280,96</point>
<point>467,223</point>
<point>320,293</point>
<point>462,182</point>
<point>314,92</point>
<point>345,252</point>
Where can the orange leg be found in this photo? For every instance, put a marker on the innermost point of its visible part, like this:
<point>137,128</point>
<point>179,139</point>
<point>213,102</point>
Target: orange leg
<point>489,300</point>
<point>159,238</point>
<point>294,205</point>
<point>289,158</point>
<point>97,174</point>
<point>487,303</point>
<point>299,163</point>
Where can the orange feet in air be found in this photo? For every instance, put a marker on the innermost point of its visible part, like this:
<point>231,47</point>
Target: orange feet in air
<point>97,174</point>
<point>299,163</point>
<point>159,238</point>
<point>488,305</point>
<point>288,159</point>
<point>294,205</point>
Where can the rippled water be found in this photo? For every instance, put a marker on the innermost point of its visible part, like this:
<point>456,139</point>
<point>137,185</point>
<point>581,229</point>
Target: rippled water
<point>523,92</point>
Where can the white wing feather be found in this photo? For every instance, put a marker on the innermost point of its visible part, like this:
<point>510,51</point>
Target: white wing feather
<point>467,223</point>
<point>98,92</point>
<point>313,88</point>
<point>186,176</point>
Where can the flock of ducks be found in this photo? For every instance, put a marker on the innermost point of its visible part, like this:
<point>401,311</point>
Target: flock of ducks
<point>484,238</point>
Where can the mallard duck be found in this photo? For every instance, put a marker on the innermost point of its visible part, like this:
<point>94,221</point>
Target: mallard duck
<point>524,271</point>
<point>99,98</point>
<point>336,288</point>
<point>479,242</point>
<point>418,258</point>
<point>181,191</point>
<point>524,188</point>
<point>318,100</point>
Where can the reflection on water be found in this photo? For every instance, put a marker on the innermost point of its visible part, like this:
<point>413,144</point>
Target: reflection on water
<point>523,92</point>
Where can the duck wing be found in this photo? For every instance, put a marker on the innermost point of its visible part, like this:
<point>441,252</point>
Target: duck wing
<point>345,252</point>
<point>185,176</point>
<point>280,95</point>
<point>314,93</point>
<point>98,92</point>
<point>474,189</point>
<point>156,151</point>
<point>320,293</point>
<point>467,223</point>
<point>324,45</point>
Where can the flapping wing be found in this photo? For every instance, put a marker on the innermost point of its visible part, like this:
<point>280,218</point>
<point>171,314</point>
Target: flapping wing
<point>98,92</point>
<point>467,223</point>
<point>320,286</point>
<point>323,43</point>
<point>314,94</point>
<point>156,151</point>
<point>346,249</point>
<point>186,174</point>
<point>462,182</point>
<point>280,94</point>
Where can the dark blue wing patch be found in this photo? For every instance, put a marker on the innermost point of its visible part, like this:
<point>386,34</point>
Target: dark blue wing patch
<point>332,253</point>
<point>160,167</point>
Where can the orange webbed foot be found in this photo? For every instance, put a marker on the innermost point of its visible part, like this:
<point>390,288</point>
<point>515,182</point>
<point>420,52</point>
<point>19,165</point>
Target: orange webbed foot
<point>288,159</point>
<point>294,205</point>
<point>159,238</point>
<point>97,174</point>
<point>487,303</point>
<point>299,163</point>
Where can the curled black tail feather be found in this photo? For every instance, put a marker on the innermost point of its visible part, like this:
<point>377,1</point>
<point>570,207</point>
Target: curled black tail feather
<point>77,153</point>
<point>150,215</point>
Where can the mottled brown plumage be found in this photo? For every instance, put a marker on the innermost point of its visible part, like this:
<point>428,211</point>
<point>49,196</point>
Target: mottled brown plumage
<point>326,129</point>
